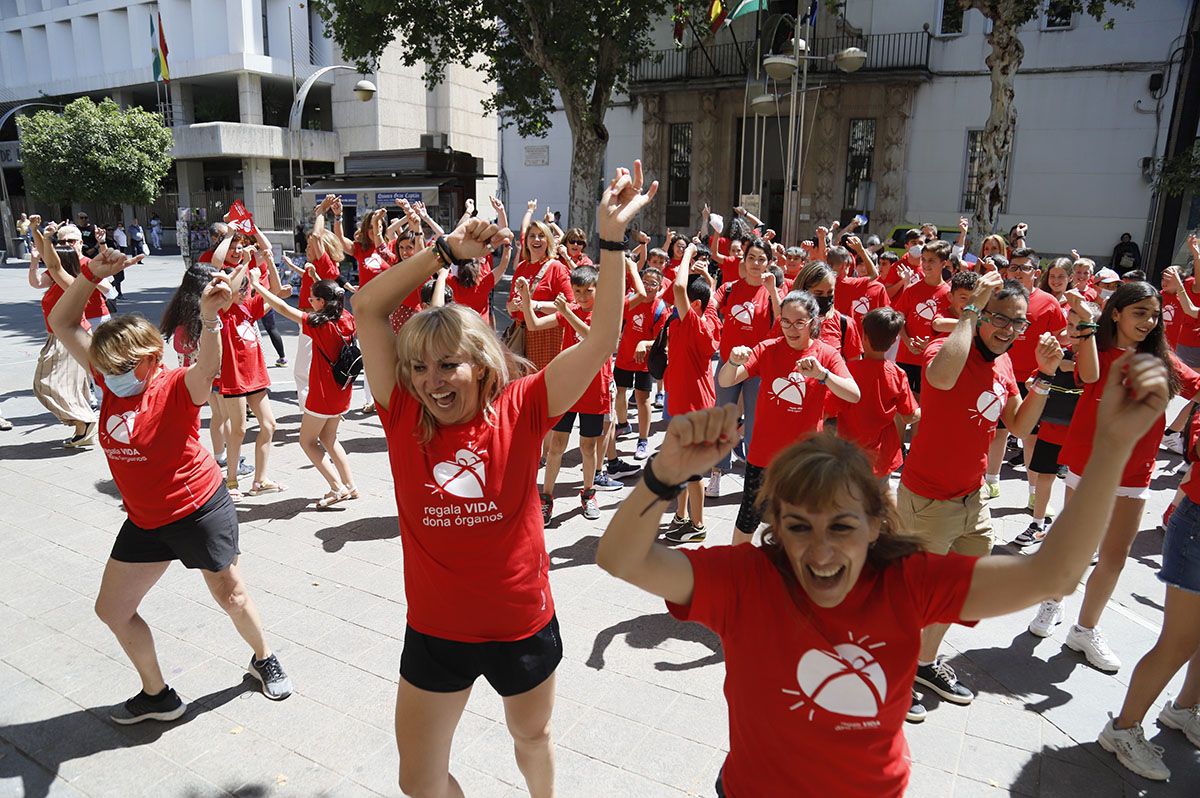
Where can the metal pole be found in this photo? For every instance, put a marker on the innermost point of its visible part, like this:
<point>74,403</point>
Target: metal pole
<point>291,142</point>
<point>803,98</point>
<point>789,167</point>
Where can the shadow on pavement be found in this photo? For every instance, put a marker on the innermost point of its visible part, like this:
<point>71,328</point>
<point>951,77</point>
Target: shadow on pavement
<point>1036,677</point>
<point>47,744</point>
<point>335,537</point>
<point>651,631</point>
<point>581,552</point>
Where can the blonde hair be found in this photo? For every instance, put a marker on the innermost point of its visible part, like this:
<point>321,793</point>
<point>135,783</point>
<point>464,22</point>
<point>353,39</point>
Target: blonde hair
<point>997,240</point>
<point>120,343</point>
<point>332,245</point>
<point>451,330</point>
<point>551,243</point>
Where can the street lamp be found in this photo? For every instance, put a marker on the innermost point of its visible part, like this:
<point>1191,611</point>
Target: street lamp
<point>6,223</point>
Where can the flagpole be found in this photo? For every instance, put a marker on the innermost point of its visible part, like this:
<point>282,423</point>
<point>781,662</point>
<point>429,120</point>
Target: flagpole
<point>703,49</point>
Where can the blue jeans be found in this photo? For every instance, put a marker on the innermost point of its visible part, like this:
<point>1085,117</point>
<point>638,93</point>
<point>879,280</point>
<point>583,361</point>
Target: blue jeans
<point>1181,548</point>
<point>748,390</point>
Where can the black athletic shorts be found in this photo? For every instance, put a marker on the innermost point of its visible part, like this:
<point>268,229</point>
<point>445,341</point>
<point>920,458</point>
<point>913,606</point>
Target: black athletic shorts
<point>206,539</point>
<point>1045,457</point>
<point>914,376</point>
<point>638,380</point>
<point>511,668</point>
<point>591,425</point>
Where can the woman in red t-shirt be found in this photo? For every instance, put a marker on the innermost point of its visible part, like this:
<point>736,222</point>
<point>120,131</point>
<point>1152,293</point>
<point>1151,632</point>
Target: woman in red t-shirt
<point>1131,321</point>
<point>464,435</point>
<point>325,253</point>
<point>330,327</point>
<point>548,279</point>
<point>171,488</point>
<point>821,625</point>
<point>474,281</point>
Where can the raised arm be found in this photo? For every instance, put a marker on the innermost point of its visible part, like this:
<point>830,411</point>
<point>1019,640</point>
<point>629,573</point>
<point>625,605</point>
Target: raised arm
<point>529,308</point>
<point>635,281</point>
<point>679,287</point>
<point>1135,394</point>
<point>570,372</point>
<point>1172,283</point>
<point>856,246</point>
<point>580,327</point>
<point>217,296</point>
<point>1083,342</point>
<point>530,207</point>
<point>278,305</point>
<point>439,289</point>
<point>423,212</point>
<point>943,371</point>
<point>374,304</point>
<point>65,318</point>
<point>1021,415</point>
<point>501,214</point>
<point>694,443</point>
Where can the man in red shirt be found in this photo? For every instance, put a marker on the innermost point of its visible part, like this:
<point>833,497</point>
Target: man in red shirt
<point>969,387</point>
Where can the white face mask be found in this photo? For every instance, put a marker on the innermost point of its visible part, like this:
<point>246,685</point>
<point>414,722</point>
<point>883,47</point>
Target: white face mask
<point>1105,293</point>
<point>914,251</point>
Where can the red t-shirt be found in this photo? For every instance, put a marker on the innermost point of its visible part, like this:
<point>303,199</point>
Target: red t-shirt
<point>475,562</point>
<point>921,303</point>
<point>1078,448</point>
<point>96,307</point>
<point>243,370</point>
<point>850,344</point>
<point>206,256</point>
<point>596,399</point>
<point>477,297</point>
<point>50,299</point>
<point>817,696</point>
<point>948,457</point>
<point>325,396</point>
<point>556,281</point>
<point>152,442</point>
<point>729,267</point>
<point>856,296</point>
<point>372,262</point>
<point>326,270</point>
<point>641,322</point>
<point>1188,328</point>
<point>746,315</point>
<point>1045,315</point>
<point>1173,318</point>
<point>688,379</point>
<point>789,404</point>
<point>871,421</point>
<point>1091,293</point>
<point>893,276</point>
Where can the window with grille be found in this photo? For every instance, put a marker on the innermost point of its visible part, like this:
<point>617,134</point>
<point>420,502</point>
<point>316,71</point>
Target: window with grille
<point>950,20</point>
<point>860,154</point>
<point>972,184</point>
<point>679,176</point>
<point>266,35</point>
<point>1058,15</point>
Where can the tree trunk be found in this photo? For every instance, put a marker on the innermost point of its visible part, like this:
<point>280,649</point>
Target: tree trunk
<point>1003,62</point>
<point>589,140</point>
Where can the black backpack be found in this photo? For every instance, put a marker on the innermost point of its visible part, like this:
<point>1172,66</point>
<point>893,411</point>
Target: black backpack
<point>656,358</point>
<point>349,362</point>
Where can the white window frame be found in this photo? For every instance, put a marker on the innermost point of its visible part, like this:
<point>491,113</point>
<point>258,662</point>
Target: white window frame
<point>941,6</point>
<point>1043,19</point>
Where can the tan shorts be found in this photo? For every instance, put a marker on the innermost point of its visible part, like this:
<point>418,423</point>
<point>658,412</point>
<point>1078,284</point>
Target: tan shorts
<point>961,525</point>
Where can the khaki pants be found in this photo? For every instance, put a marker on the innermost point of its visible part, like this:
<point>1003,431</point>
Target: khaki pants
<point>961,525</point>
<point>61,384</point>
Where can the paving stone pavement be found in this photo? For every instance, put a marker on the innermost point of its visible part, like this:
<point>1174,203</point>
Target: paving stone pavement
<point>639,710</point>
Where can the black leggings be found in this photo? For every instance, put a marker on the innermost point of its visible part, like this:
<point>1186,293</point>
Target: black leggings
<point>268,324</point>
<point>750,513</point>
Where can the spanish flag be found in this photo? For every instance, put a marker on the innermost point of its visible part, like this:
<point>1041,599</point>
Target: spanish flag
<point>158,48</point>
<point>716,15</point>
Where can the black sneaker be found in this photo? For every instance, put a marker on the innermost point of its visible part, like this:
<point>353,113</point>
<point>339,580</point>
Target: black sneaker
<point>165,706</point>
<point>676,522</point>
<point>916,713</point>
<point>941,679</point>
<point>617,467</point>
<point>276,684</point>
<point>686,533</point>
<point>1032,535</point>
<point>547,508</point>
<point>623,429</point>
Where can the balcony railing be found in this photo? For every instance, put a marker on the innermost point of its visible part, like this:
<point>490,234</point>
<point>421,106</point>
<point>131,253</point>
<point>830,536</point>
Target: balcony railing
<point>885,52</point>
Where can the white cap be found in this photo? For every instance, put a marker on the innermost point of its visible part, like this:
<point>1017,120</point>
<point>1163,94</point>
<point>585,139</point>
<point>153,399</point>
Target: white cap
<point>1107,275</point>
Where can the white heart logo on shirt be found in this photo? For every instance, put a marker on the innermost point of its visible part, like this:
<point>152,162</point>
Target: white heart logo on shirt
<point>846,681</point>
<point>120,427</point>
<point>1168,314</point>
<point>790,389</point>
<point>861,306</point>
<point>927,310</point>
<point>374,261</point>
<point>247,331</point>
<point>464,476</point>
<point>989,403</point>
<point>637,321</point>
<point>743,313</point>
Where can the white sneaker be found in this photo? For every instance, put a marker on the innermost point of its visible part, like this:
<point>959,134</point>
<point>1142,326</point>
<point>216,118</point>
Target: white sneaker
<point>1172,442</point>
<point>712,488</point>
<point>1049,615</point>
<point>1185,719</point>
<point>1133,750</point>
<point>1091,643</point>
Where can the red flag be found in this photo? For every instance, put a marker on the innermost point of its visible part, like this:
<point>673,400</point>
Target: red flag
<point>241,219</point>
<point>679,12</point>
<point>716,15</point>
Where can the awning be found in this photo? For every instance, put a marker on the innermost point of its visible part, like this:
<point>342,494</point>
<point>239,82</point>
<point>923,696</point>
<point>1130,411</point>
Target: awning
<point>357,191</point>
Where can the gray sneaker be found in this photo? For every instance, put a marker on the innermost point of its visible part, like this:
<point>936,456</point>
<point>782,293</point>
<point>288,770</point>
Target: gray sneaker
<point>276,684</point>
<point>1133,750</point>
<point>165,706</point>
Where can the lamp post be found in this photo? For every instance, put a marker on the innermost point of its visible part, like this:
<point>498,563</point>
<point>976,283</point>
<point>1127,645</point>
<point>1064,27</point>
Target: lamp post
<point>363,90</point>
<point>7,221</point>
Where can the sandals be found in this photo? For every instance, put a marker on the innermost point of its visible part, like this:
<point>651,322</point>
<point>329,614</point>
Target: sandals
<point>336,496</point>
<point>266,486</point>
<point>235,492</point>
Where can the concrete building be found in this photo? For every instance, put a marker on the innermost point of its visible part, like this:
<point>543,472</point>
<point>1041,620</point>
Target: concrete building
<point>897,140</point>
<point>231,88</point>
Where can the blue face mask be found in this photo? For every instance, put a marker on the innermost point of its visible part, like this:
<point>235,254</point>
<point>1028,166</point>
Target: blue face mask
<point>124,385</point>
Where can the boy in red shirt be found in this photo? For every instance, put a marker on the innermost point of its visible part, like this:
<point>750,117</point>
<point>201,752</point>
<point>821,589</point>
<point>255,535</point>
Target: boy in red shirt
<point>886,395</point>
<point>645,314</point>
<point>921,303</point>
<point>692,337</point>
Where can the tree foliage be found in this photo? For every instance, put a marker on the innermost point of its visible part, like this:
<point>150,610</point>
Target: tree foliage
<point>95,153</point>
<point>1180,176</point>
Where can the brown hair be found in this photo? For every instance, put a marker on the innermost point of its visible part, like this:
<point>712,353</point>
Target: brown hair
<point>881,326</point>
<point>940,248</point>
<point>120,343</point>
<point>815,473</point>
<point>996,240</point>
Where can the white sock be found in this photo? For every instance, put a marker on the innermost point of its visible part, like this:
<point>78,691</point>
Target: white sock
<point>992,479</point>
<point>926,664</point>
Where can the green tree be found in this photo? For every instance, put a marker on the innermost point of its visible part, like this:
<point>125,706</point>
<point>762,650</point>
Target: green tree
<point>1007,52</point>
<point>95,153</point>
<point>530,50</point>
<point>1180,176</point>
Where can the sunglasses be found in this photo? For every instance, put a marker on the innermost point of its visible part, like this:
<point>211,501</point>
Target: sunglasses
<point>1002,322</point>
<point>575,243</point>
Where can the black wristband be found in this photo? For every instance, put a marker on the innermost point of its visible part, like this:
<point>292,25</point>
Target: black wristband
<point>444,250</point>
<point>662,490</point>
<point>1041,375</point>
<point>613,246</point>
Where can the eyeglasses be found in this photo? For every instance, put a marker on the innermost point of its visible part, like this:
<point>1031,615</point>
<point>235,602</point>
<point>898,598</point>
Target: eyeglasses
<point>787,325</point>
<point>1013,267</point>
<point>1002,322</point>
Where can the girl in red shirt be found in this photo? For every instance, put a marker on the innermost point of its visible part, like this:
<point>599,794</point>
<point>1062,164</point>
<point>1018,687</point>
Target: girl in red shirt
<point>474,281</point>
<point>171,488</point>
<point>330,327</point>
<point>835,328</point>
<point>798,370</point>
<point>324,253</point>
<point>1131,320</point>
<point>464,434</point>
<point>821,625</point>
<point>1056,279</point>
